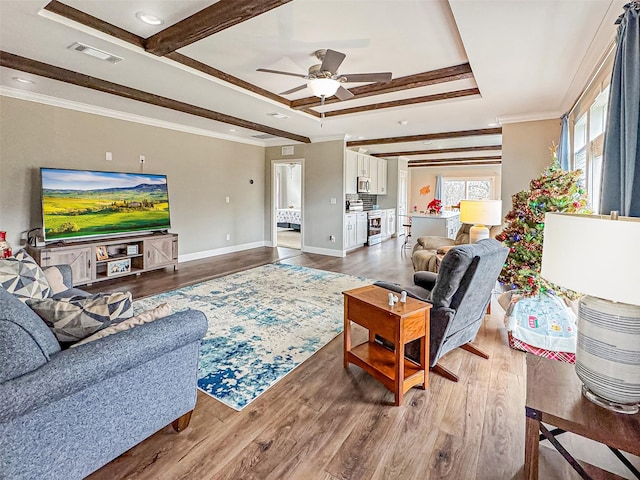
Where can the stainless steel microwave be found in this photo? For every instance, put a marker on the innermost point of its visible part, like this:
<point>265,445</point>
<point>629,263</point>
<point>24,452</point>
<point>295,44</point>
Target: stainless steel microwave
<point>364,184</point>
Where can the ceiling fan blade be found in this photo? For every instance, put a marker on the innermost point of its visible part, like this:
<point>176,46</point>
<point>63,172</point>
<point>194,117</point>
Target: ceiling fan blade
<point>343,94</point>
<point>293,90</point>
<point>367,77</point>
<point>281,73</point>
<point>332,61</point>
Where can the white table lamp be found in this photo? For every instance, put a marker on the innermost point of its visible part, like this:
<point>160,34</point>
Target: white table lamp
<point>480,213</point>
<point>599,257</point>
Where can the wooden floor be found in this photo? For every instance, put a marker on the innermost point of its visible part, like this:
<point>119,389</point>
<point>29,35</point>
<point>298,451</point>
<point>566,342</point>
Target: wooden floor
<point>326,422</point>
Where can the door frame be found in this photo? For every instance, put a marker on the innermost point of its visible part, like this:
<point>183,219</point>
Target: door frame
<point>274,224</point>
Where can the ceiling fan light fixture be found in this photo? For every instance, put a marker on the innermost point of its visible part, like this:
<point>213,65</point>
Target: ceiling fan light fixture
<point>323,87</point>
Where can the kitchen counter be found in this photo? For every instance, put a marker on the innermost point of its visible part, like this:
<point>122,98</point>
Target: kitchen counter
<point>445,224</point>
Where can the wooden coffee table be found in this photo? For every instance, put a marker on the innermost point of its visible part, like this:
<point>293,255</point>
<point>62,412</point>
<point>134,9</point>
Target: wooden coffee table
<point>554,397</point>
<point>400,324</point>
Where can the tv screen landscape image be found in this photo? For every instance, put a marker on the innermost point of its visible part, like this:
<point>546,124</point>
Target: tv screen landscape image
<point>82,203</point>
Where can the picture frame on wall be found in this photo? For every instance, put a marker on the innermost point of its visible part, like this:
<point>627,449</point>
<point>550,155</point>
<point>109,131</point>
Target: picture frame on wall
<point>101,252</point>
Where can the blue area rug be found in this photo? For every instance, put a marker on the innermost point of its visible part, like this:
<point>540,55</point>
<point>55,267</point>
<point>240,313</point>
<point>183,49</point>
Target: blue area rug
<point>263,323</point>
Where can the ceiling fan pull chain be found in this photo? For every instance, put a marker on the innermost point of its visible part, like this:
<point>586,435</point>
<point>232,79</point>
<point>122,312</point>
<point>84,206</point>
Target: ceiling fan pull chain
<point>321,113</point>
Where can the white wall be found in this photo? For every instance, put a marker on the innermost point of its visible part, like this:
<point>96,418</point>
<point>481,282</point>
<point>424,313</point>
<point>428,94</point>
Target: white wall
<point>290,185</point>
<point>201,171</point>
<point>525,155</point>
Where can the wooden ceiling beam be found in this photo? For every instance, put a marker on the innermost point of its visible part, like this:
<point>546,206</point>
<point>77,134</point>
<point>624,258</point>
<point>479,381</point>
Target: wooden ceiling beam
<point>214,72</point>
<point>407,101</point>
<point>35,67</point>
<point>424,79</point>
<point>456,159</point>
<point>455,164</point>
<point>411,153</point>
<point>92,22</point>
<point>208,21</point>
<point>426,136</point>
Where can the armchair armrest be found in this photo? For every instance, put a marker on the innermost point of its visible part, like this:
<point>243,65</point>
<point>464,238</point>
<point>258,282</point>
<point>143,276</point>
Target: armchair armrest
<point>75,369</point>
<point>425,279</point>
<point>433,243</point>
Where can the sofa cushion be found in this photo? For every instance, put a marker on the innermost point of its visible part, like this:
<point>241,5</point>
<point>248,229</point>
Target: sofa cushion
<point>23,277</point>
<point>72,319</point>
<point>56,282</point>
<point>25,341</point>
<point>161,311</point>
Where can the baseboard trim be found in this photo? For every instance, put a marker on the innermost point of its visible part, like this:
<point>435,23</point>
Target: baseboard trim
<point>323,251</point>
<point>220,251</point>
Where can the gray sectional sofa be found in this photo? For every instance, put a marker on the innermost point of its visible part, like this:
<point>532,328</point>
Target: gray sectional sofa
<point>66,413</point>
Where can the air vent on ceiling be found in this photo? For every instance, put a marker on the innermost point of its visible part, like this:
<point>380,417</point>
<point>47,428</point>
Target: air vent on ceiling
<point>264,136</point>
<point>95,52</point>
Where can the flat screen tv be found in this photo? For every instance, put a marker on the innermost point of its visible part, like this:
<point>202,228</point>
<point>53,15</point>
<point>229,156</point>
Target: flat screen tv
<point>77,204</point>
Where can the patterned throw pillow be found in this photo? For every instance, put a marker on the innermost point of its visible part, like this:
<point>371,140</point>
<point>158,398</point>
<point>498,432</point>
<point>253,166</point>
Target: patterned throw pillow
<point>72,319</point>
<point>23,277</point>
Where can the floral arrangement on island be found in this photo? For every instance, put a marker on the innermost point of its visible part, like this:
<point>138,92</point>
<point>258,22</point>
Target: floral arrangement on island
<point>434,206</point>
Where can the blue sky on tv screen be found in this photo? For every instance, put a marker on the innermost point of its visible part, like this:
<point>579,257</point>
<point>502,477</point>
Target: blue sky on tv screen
<point>84,180</point>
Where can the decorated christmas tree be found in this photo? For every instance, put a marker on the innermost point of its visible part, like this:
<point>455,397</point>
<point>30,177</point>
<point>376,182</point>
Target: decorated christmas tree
<point>556,190</point>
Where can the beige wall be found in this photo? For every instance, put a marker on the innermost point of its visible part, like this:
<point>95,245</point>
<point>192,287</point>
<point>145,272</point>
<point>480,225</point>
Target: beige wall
<point>422,176</point>
<point>201,171</point>
<point>322,180</point>
<point>525,154</point>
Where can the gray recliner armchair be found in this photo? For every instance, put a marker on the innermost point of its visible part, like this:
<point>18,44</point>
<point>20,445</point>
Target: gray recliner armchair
<point>459,293</point>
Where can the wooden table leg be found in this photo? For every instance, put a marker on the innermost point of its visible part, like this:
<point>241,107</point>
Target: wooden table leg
<point>424,356</point>
<point>531,449</point>
<point>399,384</point>
<point>346,333</point>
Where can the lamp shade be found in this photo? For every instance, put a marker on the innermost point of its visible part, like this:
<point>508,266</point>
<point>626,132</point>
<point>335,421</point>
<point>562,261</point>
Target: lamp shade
<point>593,255</point>
<point>481,212</point>
<point>323,87</point>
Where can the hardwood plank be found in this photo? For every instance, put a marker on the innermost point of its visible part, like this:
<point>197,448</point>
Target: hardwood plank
<point>426,136</point>
<point>208,21</point>
<point>35,67</point>
<point>323,421</point>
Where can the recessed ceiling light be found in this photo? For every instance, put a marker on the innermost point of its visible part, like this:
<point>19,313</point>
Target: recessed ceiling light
<point>347,136</point>
<point>278,115</point>
<point>360,138</point>
<point>233,130</point>
<point>22,80</point>
<point>428,142</point>
<point>403,122</point>
<point>149,19</point>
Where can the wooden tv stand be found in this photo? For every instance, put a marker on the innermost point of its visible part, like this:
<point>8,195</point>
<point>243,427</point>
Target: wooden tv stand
<point>125,256</point>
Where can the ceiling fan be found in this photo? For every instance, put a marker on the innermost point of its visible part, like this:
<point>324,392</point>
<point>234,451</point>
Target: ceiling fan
<point>324,79</point>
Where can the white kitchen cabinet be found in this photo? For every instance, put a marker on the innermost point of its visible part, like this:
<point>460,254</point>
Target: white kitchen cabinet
<point>384,224</point>
<point>391,222</point>
<point>362,227</point>
<point>364,165</point>
<point>355,230</point>
<point>351,172</point>
<point>373,169</point>
<point>381,180</point>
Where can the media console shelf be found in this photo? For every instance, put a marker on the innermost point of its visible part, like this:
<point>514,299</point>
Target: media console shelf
<point>109,258</point>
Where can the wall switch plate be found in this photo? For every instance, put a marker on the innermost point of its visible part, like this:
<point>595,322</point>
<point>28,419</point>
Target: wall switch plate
<point>226,199</point>
<point>332,238</point>
<point>228,236</point>
<point>333,200</point>
<point>108,156</point>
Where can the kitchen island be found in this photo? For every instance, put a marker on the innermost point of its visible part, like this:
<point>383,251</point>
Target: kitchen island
<point>444,224</point>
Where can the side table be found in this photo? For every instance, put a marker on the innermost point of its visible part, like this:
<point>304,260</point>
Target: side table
<point>554,396</point>
<point>400,324</point>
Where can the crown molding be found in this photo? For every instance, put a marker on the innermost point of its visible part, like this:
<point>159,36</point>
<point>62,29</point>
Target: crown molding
<point>128,117</point>
<point>530,117</point>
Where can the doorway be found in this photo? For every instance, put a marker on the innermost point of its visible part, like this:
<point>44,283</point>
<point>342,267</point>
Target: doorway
<point>287,211</point>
